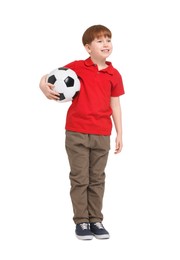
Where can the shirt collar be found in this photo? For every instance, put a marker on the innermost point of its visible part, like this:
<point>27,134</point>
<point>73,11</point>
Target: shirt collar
<point>88,62</point>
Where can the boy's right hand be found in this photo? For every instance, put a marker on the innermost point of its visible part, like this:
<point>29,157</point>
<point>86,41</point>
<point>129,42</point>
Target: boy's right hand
<point>47,89</point>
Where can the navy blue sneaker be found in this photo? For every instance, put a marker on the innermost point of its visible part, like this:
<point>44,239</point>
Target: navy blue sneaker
<point>83,231</point>
<point>99,231</point>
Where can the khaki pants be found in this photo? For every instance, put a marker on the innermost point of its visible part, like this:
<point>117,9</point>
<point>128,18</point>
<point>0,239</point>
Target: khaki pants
<point>87,156</point>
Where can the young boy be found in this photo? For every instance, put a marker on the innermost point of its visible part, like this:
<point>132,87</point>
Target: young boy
<point>88,129</point>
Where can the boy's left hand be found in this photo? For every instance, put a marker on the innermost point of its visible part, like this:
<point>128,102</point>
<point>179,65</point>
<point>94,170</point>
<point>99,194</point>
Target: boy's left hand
<point>119,145</point>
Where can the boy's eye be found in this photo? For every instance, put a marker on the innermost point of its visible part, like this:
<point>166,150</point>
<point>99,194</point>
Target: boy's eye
<point>108,40</point>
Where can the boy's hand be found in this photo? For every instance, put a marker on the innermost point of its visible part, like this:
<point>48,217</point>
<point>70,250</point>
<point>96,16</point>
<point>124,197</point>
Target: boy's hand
<point>47,89</point>
<point>119,145</point>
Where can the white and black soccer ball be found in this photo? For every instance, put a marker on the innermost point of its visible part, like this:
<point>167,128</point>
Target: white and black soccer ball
<point>66,83</point>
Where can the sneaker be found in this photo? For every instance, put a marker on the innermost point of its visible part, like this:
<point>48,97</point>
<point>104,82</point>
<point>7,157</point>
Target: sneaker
<point>83,231</point>
<point>99,231</point>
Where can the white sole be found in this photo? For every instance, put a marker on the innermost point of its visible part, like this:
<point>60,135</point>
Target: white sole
<point>106,236</point>
<point>84,237</point>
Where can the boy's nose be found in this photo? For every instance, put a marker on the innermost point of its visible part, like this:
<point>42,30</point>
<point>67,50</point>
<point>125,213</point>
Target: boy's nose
<point>105,43</point>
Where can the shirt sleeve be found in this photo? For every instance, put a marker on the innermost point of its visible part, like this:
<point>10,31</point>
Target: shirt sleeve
<point>117,88</point>
<point>72,65</point>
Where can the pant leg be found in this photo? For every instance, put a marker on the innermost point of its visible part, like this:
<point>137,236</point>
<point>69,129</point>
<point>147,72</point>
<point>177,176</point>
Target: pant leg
<point>78,155</point>
<point>100,146</point>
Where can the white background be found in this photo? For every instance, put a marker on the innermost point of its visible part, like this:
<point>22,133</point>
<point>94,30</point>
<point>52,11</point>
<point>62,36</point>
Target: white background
<point>141,203</point>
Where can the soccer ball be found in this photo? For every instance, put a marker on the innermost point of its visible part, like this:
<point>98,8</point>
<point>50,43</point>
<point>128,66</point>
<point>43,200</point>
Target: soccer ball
<point>66,83</point>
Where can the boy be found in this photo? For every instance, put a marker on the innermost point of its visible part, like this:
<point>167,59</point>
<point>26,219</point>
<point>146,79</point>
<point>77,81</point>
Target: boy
<point>88,129</point>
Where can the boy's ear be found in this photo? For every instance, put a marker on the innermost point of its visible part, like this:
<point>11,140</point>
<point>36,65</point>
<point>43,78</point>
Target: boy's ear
<point>87,47</point>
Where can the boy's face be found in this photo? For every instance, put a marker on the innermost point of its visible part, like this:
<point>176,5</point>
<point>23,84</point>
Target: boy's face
<point>100,48</point>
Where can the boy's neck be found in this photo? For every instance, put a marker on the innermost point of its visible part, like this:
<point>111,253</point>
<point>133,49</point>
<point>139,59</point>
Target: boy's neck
<point>100,63</point>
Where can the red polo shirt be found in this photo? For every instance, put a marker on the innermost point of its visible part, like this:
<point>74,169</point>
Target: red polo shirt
<point>90,111</point>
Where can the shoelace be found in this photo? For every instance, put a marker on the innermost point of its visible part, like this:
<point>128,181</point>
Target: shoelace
<point>99,225</point>
<point>84,225</point>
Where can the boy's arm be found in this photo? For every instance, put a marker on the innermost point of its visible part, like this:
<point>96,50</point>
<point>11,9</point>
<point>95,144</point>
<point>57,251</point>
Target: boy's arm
<point>47,89</point>
<point>117,119</point>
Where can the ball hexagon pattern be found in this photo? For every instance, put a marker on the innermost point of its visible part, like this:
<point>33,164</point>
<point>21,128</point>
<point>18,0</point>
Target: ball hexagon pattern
<point>65,82</point>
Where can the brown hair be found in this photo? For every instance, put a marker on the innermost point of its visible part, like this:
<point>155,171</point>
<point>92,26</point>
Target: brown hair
<point>95,31</point>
